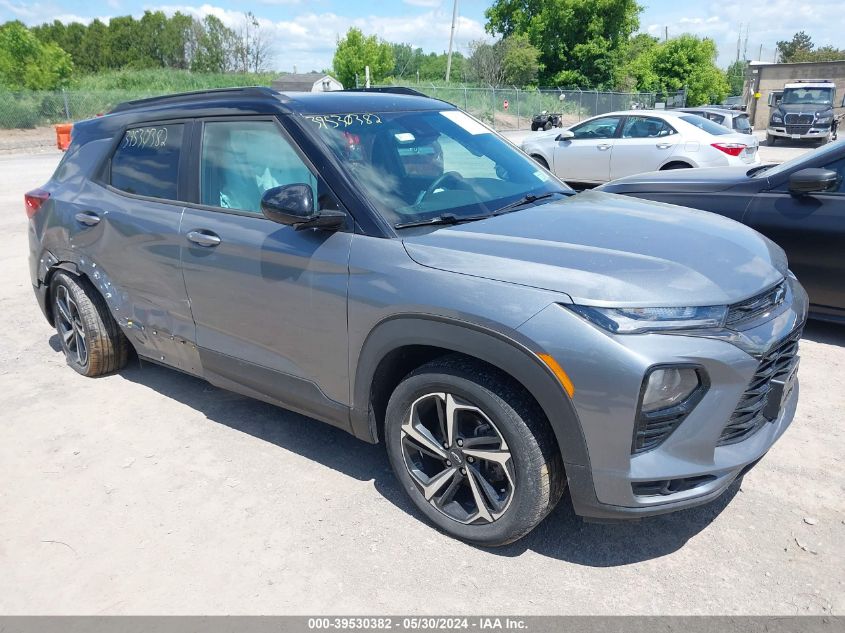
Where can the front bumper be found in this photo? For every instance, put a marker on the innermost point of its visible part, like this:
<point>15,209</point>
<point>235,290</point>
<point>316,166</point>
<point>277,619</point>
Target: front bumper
<point>607,372</point>
<point>815,132</point>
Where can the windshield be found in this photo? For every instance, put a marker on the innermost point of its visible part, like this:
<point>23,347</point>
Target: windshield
<point>705,124</point>
<point>419,165</point>
<point>819,96</point>
<point>818,156</point>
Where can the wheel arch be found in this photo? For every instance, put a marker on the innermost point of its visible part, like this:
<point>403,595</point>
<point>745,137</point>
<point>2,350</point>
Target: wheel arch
<point>398,345</point>
<point>47,281</point>
<point>687,163</point>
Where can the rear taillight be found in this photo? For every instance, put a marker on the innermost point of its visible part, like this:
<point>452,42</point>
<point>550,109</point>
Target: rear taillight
<point>731,149</point>
<point>33,200</point>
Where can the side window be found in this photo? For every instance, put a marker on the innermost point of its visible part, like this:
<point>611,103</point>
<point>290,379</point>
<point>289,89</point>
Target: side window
<point>839,167</point>
<point>605,127</point>
<point>716,118</point>
<point>241,160</point>
<point>646,127</point>
<point>146,161</point>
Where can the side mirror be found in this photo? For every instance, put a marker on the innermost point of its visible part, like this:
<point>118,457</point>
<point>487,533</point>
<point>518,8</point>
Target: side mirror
<point>293,205</point>
<point>565,135</point>
<point>813,180</point>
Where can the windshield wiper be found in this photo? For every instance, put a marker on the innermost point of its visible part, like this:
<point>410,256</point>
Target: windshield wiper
<point>451,218</point>
<point>445,218</point>
<point>528,199</point>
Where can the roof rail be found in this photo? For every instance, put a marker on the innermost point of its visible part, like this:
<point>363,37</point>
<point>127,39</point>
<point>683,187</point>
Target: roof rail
<point>399,90</point>
<point>251,91</point>
<point>811,81</point>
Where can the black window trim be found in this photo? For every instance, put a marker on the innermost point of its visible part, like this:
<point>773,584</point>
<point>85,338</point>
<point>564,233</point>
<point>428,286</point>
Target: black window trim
<point>103,170</point>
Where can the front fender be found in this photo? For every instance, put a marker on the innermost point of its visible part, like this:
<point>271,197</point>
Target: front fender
<point>511,352</point>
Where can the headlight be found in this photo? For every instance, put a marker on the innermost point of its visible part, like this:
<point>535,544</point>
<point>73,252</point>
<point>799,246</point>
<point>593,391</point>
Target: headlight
<point>776,118</point>
<point>827,118</point>
<point>638,320</point>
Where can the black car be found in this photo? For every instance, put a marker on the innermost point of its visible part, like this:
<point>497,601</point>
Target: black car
<point>799,204</point>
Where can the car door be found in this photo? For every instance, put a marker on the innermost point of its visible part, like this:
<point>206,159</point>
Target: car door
<point>644,145</point>
<point>586,156</point>
<point>269,301</point>
<point>811,229</point>
<point>127,236</point>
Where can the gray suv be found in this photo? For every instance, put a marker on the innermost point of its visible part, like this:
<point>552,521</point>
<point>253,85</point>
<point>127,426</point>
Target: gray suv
<point>386,264</point>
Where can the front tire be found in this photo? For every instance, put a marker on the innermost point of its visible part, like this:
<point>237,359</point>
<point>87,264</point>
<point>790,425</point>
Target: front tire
<point>90,338</point>
<point>771,140</point>
<point>473,450</point>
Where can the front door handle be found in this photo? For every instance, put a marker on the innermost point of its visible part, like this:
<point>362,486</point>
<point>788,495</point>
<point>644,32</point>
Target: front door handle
<point>88,218</point>
<point>204,238</point>
<point>603,147</point>
<point>664,145</point>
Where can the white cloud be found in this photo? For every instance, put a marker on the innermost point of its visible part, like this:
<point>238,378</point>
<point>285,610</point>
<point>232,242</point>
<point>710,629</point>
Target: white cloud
<point>308,40</point>
<point>424,3</point>
<point>764,19</point>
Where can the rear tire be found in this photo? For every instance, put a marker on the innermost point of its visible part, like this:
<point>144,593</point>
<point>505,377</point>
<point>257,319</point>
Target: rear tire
<point>461,435</point>
<point>90,338</point>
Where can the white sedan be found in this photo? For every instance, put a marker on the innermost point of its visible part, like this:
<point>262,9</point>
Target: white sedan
<point>620,144</point>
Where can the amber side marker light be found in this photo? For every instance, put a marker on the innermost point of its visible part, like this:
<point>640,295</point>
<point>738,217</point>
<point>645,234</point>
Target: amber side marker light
<point>557,370</point>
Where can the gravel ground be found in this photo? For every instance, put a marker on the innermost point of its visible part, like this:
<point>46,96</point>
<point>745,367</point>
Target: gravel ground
<point>152,492</point>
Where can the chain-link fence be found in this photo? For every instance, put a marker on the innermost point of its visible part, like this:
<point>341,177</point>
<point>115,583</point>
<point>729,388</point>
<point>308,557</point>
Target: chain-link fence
<point>504,108</point>
<point>513,108</point>
<point>32,108</point>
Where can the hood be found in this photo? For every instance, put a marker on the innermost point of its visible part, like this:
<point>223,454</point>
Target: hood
<point>804,108</point>
<point>681,180</point>
<point>603,249</point>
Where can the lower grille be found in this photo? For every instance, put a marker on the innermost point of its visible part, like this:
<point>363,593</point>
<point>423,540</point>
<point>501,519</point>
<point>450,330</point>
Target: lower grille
<point>665,487</point>
<point>754,410</point>
<point>798,129</point>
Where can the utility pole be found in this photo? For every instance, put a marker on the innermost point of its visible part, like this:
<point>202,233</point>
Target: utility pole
<point>451,39</point>
<point>760,56</point>
<point>665,33</point>
<point>738,42</point>
<point>745,47</point>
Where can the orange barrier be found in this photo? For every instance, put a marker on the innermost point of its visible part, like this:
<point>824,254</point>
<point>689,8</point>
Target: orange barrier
<point>63,131</point>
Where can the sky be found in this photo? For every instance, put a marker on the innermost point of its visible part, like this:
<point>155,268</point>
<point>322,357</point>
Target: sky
<point>305,31</point>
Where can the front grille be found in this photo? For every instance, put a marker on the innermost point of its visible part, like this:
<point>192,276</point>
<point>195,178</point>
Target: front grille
<point>752,411</point>
<point>747,310</point>
<point>799,119</point>
<point>798,129</point>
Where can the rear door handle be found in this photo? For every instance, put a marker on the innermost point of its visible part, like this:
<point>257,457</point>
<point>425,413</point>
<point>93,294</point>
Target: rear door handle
<point>204,238</point>
<point>603,147</point>
<point>88,218</point>
<point>664,145</point>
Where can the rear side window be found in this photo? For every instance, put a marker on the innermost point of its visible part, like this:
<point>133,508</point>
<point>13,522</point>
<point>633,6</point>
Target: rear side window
<point>146,161</point>
<point>705,124</point>
<point>742,124</point>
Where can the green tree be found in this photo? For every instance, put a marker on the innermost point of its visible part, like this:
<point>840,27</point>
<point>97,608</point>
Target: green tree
<point>356,51</point>
<point>685,62</point>
<point>520,60</point>
<point>26,62</point>
<point>93,55</point>
<point>581,42</point>
<point>801,43</point>
<point>736,76</point>
<point>214,48</point>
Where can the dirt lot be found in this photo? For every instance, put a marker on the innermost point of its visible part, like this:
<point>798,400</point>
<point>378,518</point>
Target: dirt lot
<point>152,492</point>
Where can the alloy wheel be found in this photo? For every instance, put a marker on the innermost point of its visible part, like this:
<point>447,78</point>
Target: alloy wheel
<point>69,325</point>
<point>457,458</point>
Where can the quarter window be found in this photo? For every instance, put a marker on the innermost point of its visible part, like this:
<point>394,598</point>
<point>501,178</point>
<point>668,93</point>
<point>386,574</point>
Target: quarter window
<point>146,161</point>
<point>243,159</point>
